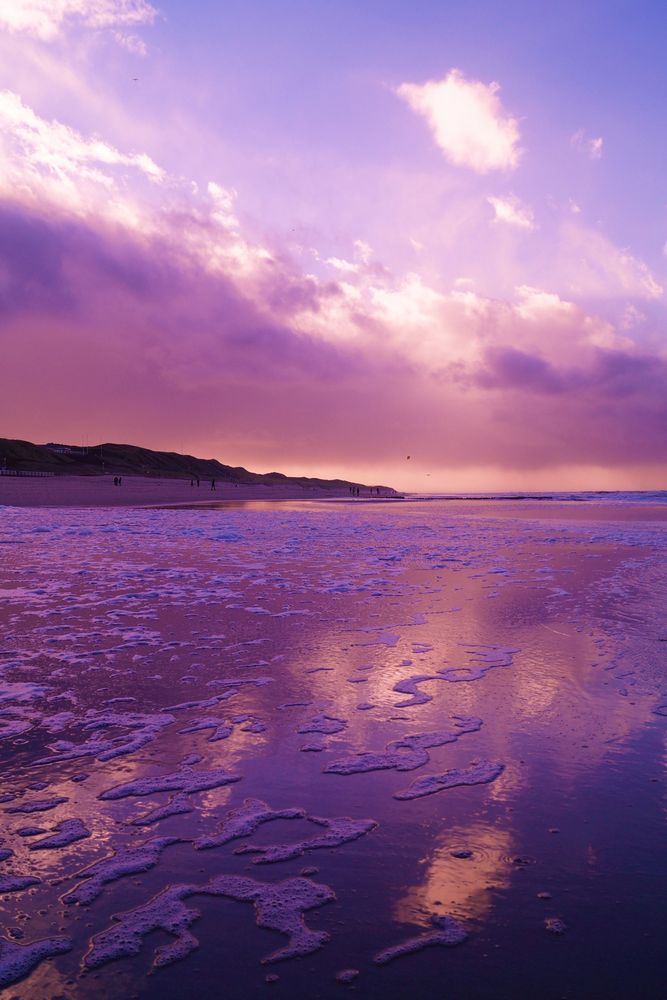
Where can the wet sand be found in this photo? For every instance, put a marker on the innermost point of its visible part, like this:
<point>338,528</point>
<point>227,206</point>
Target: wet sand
<point>300,749</point>
<point>138,491</point>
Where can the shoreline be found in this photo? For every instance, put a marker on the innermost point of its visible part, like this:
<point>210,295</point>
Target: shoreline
<point>145,492</point>
<point>141,491</point>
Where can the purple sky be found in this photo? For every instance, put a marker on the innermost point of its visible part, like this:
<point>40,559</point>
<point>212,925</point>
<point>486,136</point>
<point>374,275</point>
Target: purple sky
<point>321,237</point>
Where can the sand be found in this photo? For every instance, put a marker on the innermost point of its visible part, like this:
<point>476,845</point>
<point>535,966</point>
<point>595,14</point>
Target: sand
<point>139,491</point>
<point>509,657</point>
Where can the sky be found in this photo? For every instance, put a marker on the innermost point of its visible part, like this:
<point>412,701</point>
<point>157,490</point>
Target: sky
<point>319,238</point>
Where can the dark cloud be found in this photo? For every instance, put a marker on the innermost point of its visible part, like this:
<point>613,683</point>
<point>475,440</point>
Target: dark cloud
<point>507,367</point>
<point>131,338</point>
<point>31,265</point>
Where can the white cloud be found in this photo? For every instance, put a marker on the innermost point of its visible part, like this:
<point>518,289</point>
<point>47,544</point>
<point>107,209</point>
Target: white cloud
<point>46,19</point>
<point>342,265</point>
<point>511,211</point>
<point>467,120</point>
<point>434,330</point>
<point>535,303</point>
<point>632,317</point>
<point>46,158</point>
<point>592,266</point>
<point>363,251</point>
<point>590,145</point>
<point>226,249</point>
<point>411,304</point>
<point>224,200</point>
<point>132,43</point>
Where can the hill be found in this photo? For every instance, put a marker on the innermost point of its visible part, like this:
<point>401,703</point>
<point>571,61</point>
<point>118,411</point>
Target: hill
<point>131,460</point>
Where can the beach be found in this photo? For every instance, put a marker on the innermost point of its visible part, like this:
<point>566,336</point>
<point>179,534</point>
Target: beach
<point>376,707</point>
<point>138,491</point>
<point>305,749</point>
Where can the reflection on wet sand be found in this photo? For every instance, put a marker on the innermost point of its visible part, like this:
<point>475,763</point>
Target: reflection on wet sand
<point>161,668</point>
<point>458,872</point>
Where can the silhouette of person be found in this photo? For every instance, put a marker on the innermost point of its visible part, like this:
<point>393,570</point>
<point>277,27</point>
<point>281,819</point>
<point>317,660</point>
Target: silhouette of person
<point>213,484</point>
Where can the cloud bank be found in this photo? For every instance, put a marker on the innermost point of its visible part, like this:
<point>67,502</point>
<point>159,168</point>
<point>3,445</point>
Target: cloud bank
<point>167,317</point>
<point>137,304</point>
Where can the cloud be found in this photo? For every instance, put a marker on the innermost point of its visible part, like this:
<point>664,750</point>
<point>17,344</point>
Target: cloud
<point>590,145</point>
<point>41,159</point>
<point>49,166</point>
<point>47,19</point>
<point>507,367</point>
<point>595,148</point>
<point>224,200</point>
<point>631,318</point>
<point>593,267</point>
<point>133,43</point>
<point>467,120</point>
<point>340,264</point>
<point>511,211</point>
<point>248,366</point>
<point>199,331</point>
<point>535,303</point>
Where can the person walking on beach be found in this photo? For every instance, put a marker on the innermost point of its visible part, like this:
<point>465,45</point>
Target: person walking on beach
<point>213,484</point>
<point>115,480</point>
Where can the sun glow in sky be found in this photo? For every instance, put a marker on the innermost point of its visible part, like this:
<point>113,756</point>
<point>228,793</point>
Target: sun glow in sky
<point>321,237</point>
